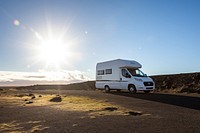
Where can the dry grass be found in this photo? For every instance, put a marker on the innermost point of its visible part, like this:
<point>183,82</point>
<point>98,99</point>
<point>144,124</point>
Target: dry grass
<point>91,106</point>
<point>11,126</point>
<point>18,127</point>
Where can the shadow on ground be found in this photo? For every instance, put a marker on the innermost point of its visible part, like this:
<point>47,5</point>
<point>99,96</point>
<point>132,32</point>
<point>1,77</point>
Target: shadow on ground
<point>178,100</point>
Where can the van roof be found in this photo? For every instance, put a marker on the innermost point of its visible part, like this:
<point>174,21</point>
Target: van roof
<point>123,63</point>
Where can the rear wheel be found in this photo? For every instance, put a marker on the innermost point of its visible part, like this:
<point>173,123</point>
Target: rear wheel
<point>132,89</point>
<point>146,91</point>
<point>107,88</point>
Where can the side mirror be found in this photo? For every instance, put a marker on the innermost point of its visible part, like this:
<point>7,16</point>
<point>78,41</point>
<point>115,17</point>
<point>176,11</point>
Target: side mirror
<point>145,75</point>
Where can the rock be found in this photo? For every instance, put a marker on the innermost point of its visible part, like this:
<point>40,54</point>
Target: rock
<point>29,102</point>
<point>56,99</point>
<point>33,97</point>
<point>40,95</point>
<point>134,113</point>
<point>111,108</point>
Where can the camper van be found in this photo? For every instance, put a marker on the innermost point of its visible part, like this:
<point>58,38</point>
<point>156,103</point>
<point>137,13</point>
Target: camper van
<point>122,75</point>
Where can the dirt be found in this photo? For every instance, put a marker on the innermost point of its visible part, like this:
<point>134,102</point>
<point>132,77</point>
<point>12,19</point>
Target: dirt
<point>97,112</point>
<point>173,107</point>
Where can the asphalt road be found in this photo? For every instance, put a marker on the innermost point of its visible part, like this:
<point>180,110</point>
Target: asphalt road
<point>160,113</point>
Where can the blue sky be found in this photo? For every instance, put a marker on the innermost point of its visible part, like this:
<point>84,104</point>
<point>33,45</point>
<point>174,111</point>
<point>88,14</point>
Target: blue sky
<point>163,35</point>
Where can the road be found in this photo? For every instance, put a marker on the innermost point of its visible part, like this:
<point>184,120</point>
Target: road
<point>159,113</point>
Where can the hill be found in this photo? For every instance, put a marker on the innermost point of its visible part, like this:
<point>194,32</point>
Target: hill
<point>89,85</point>
<point>184,82</point>
<point>176,83</point>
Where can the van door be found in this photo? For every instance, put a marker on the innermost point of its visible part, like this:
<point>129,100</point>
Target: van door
<point>125,79</point>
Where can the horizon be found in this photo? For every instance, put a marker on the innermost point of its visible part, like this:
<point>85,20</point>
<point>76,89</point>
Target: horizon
<point>51,41</point>
<point>24,82</point>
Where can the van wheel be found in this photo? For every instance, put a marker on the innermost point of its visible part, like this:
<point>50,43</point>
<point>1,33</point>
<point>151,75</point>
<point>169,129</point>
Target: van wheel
<point>147,91</point>
<point>107,88</point>
<point>132,89</point>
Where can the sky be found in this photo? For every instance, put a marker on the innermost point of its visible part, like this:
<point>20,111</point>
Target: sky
<point>61,41</point>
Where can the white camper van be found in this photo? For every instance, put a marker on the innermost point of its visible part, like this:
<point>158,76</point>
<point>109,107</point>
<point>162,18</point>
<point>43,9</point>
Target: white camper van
<point>122,74</point>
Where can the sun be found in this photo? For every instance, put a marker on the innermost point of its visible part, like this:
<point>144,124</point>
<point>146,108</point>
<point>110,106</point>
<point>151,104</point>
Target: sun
<point>54,48</point>
<point>53,52</point>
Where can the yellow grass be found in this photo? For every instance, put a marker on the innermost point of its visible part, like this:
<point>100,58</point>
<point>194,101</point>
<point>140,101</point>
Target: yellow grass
<point>93,107</point>
<point>18,127</point>
<point>11,126</point>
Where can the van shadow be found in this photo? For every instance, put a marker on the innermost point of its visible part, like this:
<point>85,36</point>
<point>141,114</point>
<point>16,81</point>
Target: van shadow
<point>178,100</point>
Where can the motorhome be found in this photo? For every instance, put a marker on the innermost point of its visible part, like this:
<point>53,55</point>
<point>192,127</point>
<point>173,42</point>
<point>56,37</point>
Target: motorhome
<point>122,75</point>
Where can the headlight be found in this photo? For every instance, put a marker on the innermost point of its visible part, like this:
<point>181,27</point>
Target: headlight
<point>140,80</point>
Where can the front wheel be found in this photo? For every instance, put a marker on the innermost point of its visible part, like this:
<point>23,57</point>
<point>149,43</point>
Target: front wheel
<point>132,89</point>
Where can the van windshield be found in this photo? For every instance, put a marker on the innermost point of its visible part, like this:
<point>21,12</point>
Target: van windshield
<point>136,72</point>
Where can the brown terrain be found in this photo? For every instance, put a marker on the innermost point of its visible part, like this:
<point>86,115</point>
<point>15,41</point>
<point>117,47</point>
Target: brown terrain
<point>179,83</point>
<point>173,107</point>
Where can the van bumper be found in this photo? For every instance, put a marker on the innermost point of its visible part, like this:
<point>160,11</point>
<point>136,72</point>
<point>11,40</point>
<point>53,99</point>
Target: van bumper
<point>150,88</point>
<point>143,88</point>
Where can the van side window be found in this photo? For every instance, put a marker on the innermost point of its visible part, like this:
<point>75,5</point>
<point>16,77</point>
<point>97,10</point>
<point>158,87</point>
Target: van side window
<point>108,71</point>
<point>125,73</point>
<point>100,72</point>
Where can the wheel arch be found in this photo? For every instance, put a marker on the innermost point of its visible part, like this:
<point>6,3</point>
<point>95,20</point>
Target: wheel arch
<point>106,85</point>
<point>129,85</point>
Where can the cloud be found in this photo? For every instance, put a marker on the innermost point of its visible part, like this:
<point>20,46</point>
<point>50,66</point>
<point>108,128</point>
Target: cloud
<point>9,78</point>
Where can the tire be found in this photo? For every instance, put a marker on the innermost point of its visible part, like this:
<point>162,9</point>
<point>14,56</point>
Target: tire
<point>107,88</point>
<point>146,91</point>
<point>132,89</point>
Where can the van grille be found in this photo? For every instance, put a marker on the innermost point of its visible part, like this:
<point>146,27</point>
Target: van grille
<point>149,88</point>
<point>148,83</point>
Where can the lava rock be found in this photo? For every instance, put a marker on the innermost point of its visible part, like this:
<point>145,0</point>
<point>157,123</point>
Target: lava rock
<point>29,102</point>
<point>33,97</point>
<point>56,99</point>
<point>111,108</point>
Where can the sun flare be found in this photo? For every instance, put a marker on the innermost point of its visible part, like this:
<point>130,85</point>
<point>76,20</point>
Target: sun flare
<point>53,52</point>
<point>54,48</point>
